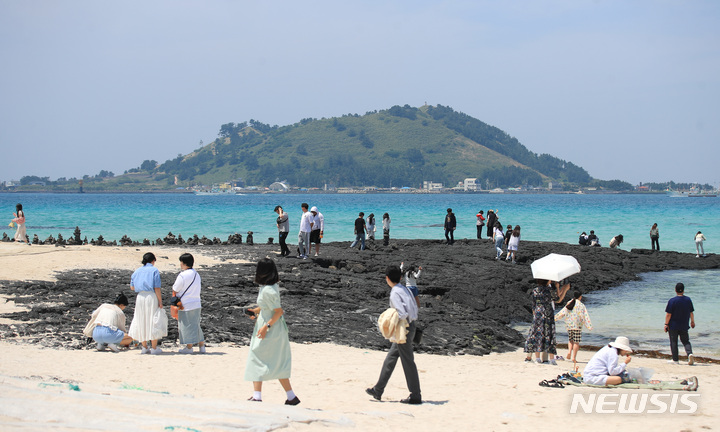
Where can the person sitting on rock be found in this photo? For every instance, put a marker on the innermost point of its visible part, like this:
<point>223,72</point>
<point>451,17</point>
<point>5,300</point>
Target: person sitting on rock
<point>593,240</point>
<point>583,241</point>
<point>615,242</point>
<point>107,325</point>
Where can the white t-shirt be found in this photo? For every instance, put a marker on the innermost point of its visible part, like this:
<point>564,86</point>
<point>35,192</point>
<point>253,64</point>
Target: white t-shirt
<point>318,222</point>
<point>191,298</point>
<point>513,243</point>
<point>305,220</point>
<point>498,233</point>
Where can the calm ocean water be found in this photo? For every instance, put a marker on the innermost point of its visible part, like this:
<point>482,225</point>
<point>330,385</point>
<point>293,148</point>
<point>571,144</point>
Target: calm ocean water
<point>634,309</point>
<point>542,217</point>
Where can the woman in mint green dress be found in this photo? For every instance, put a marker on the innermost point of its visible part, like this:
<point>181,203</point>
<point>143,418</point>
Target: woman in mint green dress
<point>269,356</point>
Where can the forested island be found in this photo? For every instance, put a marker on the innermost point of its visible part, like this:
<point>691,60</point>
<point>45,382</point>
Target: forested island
<point>399,147</point>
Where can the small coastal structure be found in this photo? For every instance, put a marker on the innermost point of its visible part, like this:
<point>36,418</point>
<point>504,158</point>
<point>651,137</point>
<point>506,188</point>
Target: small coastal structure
<point>431,186</point>
<point>471,184</point>
<point>278,187</point>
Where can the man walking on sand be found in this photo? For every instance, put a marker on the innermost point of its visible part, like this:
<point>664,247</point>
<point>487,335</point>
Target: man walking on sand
<point>678,313</point>
<point>306,223</point>
<point>403,301</point>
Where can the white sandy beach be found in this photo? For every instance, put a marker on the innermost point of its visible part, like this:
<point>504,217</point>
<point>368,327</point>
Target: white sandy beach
<point>130,392</point>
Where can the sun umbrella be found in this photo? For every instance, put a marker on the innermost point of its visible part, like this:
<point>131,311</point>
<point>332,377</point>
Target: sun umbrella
<point>555,267</point>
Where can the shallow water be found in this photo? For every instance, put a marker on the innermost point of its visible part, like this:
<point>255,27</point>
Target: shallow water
<point>636,309</point>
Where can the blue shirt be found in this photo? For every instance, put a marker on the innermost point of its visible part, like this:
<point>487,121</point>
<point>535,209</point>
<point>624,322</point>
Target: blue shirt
<point>146,278</point>
<point>679,308</point>
<point>404,302</point>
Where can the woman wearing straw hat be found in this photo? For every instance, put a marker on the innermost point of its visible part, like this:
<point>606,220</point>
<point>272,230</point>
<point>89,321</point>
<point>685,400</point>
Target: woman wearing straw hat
<point>604,368</point>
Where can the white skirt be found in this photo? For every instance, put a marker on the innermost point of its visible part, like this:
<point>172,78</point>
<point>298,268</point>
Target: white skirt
<point>20,233</point>
<point>142,328</point>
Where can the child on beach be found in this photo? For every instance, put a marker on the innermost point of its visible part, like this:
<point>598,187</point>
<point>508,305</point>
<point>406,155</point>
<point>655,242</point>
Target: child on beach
<point>699,239</point>
<point>513,243</point>
<point>499,237</point>
<point>411,280</point>
<point>575,315</point>
<point>508,234</point>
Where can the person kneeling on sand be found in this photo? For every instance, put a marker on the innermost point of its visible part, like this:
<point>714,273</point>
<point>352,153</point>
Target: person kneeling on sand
<point>107,325</point>
<point>604,368</point>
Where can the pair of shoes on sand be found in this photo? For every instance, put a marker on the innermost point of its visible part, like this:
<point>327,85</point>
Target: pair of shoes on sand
<point>187,350</point>
<point>691,361</point>
<point>113,347</point>
<point>377,396</point>
<point>294,401</point>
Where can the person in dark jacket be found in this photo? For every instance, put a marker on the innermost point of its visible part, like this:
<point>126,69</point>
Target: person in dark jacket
<point>450,224</point>
<point>491,218</point>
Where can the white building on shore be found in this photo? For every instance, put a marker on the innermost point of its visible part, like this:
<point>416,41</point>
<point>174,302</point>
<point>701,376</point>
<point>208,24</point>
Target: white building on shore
<point>471,184</point>
<point>430,186</point>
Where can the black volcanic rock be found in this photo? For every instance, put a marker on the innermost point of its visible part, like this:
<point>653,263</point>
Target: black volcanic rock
<point>467,297</point>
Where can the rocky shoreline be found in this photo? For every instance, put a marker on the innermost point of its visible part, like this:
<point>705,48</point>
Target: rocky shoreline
<point>467,297</point>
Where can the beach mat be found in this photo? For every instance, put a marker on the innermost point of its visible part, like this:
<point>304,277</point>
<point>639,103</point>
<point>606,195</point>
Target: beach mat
<point>687,384</point>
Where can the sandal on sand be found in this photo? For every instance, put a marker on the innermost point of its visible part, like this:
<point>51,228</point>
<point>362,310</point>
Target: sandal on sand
<point>559,358</point>
<point>552,383</point>
<point>252,399</point>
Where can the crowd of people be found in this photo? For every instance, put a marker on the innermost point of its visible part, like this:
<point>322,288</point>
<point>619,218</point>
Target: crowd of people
<point>269,355</point>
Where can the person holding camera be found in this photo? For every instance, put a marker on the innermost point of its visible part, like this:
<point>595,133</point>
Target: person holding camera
<point>269,357</point>
<point>186,297</point>
<point>283,226</point>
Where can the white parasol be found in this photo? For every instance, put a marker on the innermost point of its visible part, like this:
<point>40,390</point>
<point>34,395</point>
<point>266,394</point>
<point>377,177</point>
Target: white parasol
<point>555,267</point>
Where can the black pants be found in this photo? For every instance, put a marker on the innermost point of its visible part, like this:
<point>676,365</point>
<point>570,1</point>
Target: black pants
<point>407,358</point>
<point>386,237</point>
<point>449,236</point>
<point>479,231</point>
<point>284,250</point>
<point>655,242</point>
<point>684,338</point>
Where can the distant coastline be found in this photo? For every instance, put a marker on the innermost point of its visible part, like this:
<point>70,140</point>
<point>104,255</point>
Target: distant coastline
<point>357,191</point>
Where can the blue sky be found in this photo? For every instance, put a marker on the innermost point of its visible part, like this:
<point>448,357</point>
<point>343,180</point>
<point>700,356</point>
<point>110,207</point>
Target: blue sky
<point>625,89</point>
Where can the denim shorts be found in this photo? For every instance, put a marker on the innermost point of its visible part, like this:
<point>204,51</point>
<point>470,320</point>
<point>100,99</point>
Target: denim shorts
<point>106,335</point>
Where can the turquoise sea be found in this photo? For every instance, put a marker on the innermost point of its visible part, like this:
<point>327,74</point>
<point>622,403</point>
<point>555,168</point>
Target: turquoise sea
<point>635,309</point>
<point>544,217</point>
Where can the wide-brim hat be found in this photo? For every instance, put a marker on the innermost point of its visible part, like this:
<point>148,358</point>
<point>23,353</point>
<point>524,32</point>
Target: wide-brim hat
<point>621,342</point>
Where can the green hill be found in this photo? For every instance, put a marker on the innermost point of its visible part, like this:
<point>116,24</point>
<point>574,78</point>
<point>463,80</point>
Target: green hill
<point>401,146</point>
